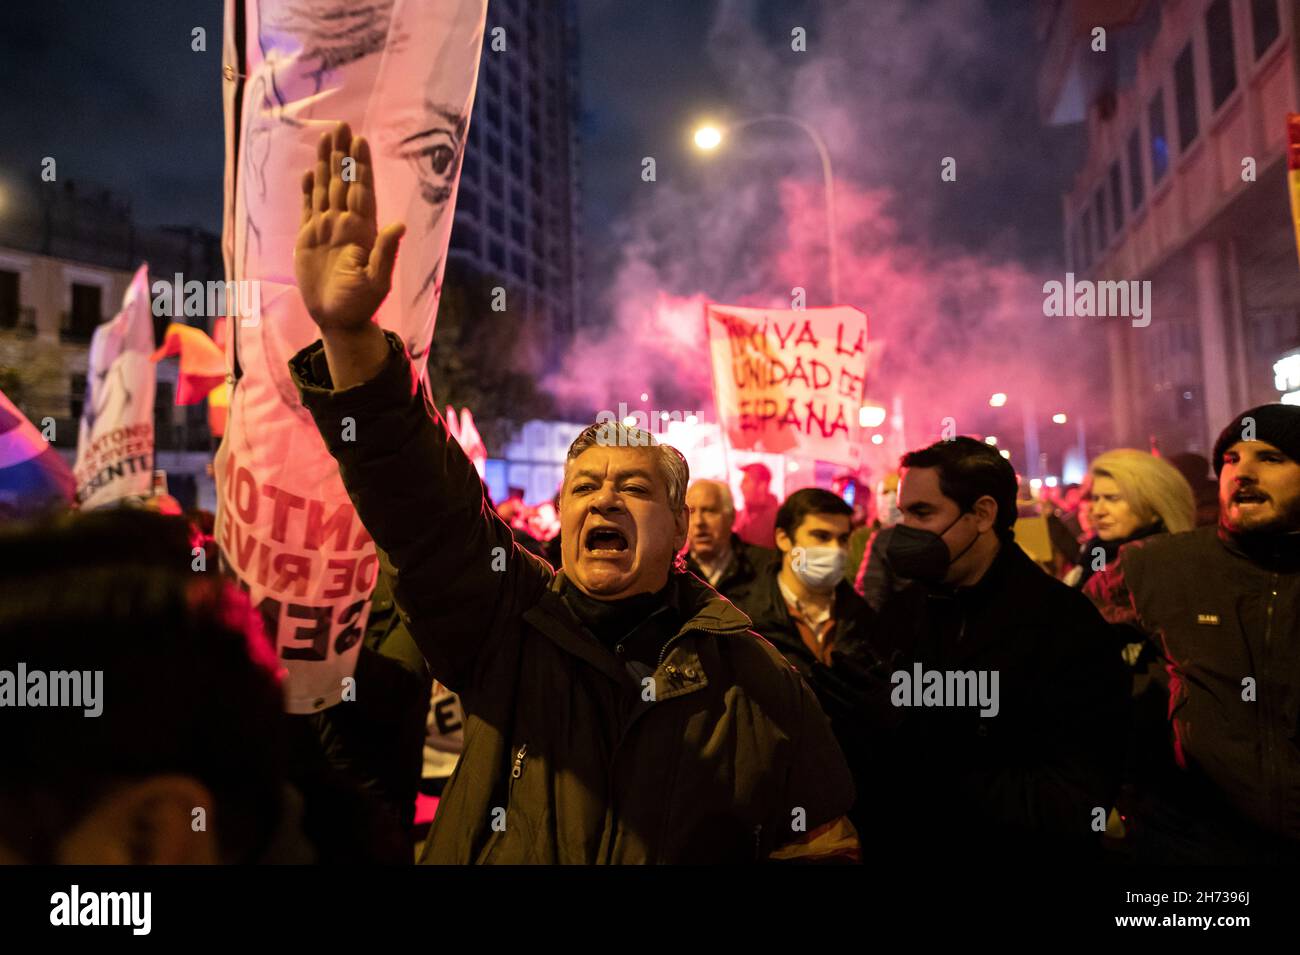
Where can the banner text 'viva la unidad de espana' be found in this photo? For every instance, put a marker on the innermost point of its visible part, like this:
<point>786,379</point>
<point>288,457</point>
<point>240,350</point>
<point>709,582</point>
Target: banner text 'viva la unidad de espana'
<point>790,381</point>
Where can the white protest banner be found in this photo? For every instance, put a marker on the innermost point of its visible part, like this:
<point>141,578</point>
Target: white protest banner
<point>402,74</point>
<point>790,381</point>
<point>115,437</point>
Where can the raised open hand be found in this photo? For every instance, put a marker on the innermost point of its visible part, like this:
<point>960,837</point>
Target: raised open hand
<point>343,265</point>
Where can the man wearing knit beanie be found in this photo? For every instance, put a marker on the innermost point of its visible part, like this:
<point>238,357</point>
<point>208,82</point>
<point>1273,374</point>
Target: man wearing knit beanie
<point>1221,607</point>
<point>1257,459</point>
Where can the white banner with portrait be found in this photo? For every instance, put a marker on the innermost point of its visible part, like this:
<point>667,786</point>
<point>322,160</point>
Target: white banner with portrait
<point>402,73</point>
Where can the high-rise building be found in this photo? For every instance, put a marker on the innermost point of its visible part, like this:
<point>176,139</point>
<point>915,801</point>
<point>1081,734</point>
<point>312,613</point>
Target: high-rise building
<point>1183,185</point>
<point>517,211</point>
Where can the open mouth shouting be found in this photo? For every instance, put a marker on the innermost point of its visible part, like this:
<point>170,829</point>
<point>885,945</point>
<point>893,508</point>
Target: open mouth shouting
<point>1249,507</point>
<point>605,541</point>
<point>1249,497</point>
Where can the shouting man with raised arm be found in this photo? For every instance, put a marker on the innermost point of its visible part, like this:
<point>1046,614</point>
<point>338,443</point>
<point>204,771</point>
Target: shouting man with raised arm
<point>618,710</point>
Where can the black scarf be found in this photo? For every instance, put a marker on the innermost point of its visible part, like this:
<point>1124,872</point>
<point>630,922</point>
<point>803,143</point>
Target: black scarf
<point>1111,548</point>
<point>612,621</point>
<point>1274,551</point>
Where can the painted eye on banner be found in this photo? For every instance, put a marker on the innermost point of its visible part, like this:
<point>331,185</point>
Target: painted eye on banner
<point>432,155</point>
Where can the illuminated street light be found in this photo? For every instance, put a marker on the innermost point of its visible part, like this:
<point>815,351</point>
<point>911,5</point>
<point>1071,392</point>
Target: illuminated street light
<point>991,440</point>
<point>1036,483</point>
<point>645,396</point>
<point>1059,418</point>
<point>998,400</point>
<point>1005,453</point>
<point>708,137</point>
<point>877,439</point>
<point>1050,482</point>
<point>871,416</point>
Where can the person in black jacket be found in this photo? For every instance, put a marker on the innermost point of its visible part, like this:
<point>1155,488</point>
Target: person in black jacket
<point>715,552</point>
<point>377,738</point>
<point>1222,609</point>
<point>801,603</point>
<point>617,710</point>
<point>1002,735</point>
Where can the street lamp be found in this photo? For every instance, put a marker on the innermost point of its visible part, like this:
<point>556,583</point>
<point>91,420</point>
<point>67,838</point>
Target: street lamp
<point>871,416</point>
<point>709,137</point>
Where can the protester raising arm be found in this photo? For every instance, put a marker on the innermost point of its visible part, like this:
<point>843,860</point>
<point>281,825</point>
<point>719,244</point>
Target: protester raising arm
<point>458,572</point>
<point>343,264</point>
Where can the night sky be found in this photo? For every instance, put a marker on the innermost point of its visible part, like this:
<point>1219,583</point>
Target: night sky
<point>112,90</point>
<point>948,272</point>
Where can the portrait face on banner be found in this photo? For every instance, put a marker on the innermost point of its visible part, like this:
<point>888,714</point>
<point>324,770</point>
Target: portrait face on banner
<point>402,74</point>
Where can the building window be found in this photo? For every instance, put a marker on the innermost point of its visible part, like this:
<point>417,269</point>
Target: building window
<point>86,312</point>
<point>8,299</point>
<point>517,200</point>
<point>1159,141</point>
<point>493,112</point>
<point>516,133</point>
<point>496,219</point>
<point>1263,16</point>
<point>494,149</point>
<point>497,255</point>
<point>465,238</point>
<point>1223,65</point>
<point>467,202</point>
<point>77,396</point>
<point>519,265</point>
<point>1085,229</point>
<point>517,231</point>
<point>496,185</point>
<point>1135,168</point>
<point>516,164</point>
<point>1185,97</point>
<point>1116,196</point>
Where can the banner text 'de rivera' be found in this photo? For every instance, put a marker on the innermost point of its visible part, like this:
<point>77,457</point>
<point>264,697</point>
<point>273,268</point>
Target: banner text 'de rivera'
<point>307,564</point>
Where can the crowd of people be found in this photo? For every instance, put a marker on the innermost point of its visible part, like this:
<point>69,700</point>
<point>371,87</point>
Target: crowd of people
<point>675,678</point>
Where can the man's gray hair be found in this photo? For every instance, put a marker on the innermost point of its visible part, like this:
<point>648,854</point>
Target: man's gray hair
<point>676,473</point>
<point>728,503</point>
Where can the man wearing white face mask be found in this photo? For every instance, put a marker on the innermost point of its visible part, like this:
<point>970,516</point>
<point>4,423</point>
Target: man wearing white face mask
<point>805,607</point>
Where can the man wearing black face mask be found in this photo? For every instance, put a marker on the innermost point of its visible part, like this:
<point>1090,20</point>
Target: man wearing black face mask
<point>1005,700</point>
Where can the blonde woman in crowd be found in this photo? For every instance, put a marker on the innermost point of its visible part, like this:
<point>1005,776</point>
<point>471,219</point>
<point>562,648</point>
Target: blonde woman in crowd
<point>1129,495</point>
